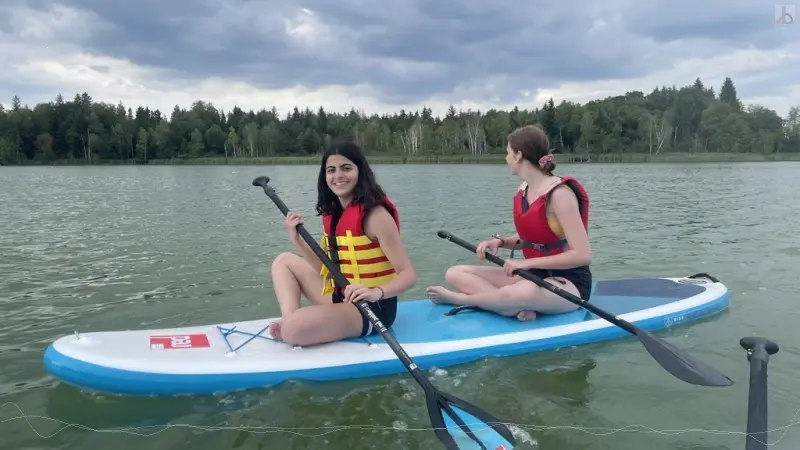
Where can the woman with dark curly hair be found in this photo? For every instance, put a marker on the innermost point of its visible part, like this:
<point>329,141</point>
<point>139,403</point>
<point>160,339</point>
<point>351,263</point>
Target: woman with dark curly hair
<point>360,221</point>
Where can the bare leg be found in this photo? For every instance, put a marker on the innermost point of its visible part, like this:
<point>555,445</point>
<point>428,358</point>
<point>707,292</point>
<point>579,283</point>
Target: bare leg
<point>316,324</point>
<point>473,279</point>
<point>292,277</point>
<point>469,279</point>
<point>521,299</point>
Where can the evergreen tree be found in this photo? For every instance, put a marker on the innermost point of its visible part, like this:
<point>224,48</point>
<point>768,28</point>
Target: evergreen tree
<point>668,119</point>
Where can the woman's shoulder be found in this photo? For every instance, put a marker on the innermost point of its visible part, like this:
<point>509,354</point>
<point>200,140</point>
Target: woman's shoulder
<point>379,221</point>
<point>562,192</point>
<point>382,210</point>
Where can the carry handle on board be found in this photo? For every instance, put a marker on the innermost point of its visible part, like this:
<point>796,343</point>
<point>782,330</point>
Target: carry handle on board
<point>675,361</point>
<point>758,353</point>
<point>465,426</point>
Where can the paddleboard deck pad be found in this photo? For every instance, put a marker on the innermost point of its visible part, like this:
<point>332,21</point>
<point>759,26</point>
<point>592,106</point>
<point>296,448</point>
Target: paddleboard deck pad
<point>238,356</point>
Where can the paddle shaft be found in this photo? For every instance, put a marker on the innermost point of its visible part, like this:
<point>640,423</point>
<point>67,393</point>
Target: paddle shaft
<point>362,305</point>
<point>758,351</point>
<point>625,325</point>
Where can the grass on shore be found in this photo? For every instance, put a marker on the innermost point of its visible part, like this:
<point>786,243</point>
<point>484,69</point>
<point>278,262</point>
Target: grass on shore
<point>676,157</point>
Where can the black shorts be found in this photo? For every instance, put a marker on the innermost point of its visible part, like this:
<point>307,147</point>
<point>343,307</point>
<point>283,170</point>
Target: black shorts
<point>581,277</point>
<point>385,310</point>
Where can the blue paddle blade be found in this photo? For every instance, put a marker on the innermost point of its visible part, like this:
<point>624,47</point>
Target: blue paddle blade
<point>462,426</point>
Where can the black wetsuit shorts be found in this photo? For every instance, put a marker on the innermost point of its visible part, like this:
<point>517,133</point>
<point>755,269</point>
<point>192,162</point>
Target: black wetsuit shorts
<point>385,310</point>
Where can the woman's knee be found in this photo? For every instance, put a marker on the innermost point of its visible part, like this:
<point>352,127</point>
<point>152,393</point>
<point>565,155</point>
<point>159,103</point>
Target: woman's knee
<point>519,293</point>
<point>454,273</point>
<point>283,262</point>
<point>282,271</point>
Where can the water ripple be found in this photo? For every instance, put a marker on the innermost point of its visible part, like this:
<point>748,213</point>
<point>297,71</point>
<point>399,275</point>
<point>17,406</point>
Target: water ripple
<point>133,247</point>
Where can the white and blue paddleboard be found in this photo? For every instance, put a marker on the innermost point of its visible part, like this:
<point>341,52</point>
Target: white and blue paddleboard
<point>236,356</point>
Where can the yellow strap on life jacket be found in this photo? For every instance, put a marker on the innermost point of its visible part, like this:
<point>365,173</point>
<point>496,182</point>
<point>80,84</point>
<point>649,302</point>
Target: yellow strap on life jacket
<point>351,251</point>
<point>328,283</point>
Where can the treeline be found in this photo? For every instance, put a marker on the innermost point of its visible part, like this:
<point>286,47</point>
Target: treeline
<point>668,119</point>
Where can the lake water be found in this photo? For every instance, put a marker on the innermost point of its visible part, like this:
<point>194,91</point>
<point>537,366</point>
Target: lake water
<point>104,248</point>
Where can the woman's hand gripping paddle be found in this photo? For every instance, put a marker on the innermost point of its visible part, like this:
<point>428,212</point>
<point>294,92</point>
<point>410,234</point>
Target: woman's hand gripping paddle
<point>675,361</point>
<point>456,423</point>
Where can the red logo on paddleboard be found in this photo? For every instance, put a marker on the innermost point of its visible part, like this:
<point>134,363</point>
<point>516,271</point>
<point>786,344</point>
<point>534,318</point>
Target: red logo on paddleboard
<point>179,341</point>
<point>500,447</point>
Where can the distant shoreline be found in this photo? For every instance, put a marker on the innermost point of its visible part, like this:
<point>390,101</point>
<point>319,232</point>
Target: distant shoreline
<point>672,157</point>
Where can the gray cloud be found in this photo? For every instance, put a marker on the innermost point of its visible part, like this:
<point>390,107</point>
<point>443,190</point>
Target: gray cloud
<point>410,50</point>
<point>736,22</point>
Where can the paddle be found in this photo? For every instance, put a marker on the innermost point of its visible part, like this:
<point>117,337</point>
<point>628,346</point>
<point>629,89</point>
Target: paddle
<point>457,429</point>
<point>672,359</point>
<point>758,352</point>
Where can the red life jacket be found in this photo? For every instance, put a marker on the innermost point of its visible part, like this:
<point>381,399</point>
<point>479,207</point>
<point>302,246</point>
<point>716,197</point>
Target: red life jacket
<point>359,259</point>
<point>535,234</point>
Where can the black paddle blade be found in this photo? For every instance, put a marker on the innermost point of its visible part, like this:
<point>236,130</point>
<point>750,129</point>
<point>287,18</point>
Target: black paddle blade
<point>681,365</point>
<point>460,425</point>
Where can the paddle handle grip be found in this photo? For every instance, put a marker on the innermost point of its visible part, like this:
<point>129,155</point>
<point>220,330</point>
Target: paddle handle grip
<point>758,352</point>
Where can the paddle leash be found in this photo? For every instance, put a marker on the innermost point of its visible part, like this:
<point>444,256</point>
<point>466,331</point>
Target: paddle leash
<point>675,361</point>
<point>458,424</point>
<point>758,353</point>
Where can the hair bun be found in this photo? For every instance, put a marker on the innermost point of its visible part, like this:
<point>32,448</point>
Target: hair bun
<point>550,166</point>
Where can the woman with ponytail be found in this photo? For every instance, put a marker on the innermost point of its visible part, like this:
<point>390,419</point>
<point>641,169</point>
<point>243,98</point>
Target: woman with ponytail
<point>551,216</point>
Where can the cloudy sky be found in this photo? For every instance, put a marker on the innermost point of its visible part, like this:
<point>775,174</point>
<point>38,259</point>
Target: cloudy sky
<point>384,55</point>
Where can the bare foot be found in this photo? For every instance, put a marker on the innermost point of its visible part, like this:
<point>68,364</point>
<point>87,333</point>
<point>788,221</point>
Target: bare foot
<point>441,295</point>
<point>275,329</point>
<point>526,315</point>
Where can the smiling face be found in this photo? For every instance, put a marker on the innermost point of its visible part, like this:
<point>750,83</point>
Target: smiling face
<point>341,175</point>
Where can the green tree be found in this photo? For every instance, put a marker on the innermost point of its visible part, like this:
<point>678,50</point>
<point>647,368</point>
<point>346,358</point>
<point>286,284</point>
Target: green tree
<point>691,118</point>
